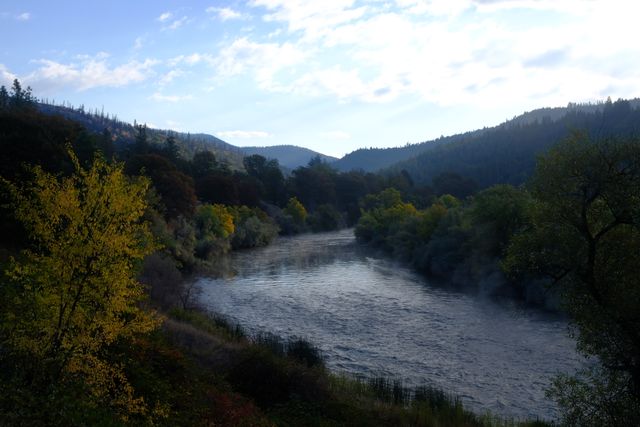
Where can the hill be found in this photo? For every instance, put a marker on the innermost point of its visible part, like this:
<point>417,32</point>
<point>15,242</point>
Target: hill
<point>124,133</point>
<point>289,156</point>
<point>374,159</point>
<point>507,153</point>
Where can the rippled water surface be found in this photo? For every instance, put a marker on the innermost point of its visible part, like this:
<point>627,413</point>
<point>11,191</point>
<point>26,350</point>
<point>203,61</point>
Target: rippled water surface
<point>370,316</point>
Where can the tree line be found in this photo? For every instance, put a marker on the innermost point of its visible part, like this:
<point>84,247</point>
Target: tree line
<point>89,228</point>
<point>572,232</point>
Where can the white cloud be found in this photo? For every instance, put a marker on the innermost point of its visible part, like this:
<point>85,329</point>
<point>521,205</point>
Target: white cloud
<point>88,73</point>
<point>157,96</point>
<point>170,76</point>
<point>177,23</point>
<point>434,7</point>
<point>262,60</point>
<point>315,19</point>
<point>137,44</point>
<point>193,59</point>
<point>23,16</point>
<point>444,52</point>
<point>6,76</point>
<point>225,13</point>
<point>243,134</point>
<point>164,17</point>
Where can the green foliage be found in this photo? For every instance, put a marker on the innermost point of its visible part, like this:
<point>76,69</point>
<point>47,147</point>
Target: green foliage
<point>504,154</point>
<point>454,184</point>
<point>585,236</point>
<point>385,199</point>
<point>214,226</point>
<point>385,215</point>
<point>269,175</point>
<point>326,218</point>
<point>4,98</point>
<point>253,228</point>
<point>592,398</point>
<point>461,242</point>
<point>175,188</point>
<point>203,164</point>
<point>297,212</point>
<point>214,221</point>
<point>498,213</point>
<point>73,292</point>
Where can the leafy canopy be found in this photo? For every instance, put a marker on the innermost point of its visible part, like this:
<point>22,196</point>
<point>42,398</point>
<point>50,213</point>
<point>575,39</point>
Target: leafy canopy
<point>585,235</point>
<point>74,291</point>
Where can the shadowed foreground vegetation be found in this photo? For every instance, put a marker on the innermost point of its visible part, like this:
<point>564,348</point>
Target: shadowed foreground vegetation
<point>265,380</point>
<point>201,370</point>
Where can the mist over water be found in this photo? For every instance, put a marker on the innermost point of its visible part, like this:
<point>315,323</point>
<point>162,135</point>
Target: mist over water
<point>370,317</point>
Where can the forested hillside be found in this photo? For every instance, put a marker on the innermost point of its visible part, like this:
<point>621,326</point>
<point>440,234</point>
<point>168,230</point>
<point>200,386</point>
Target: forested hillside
<point>289,156</point>
<point>504,153</point>
<point>122,133</point>
<point>507,154</point>
<point>374,159</point>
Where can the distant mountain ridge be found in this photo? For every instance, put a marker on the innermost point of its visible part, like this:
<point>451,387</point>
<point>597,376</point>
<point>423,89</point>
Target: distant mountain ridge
<point>374,159</point>
<point>482,154</point>
<point>123,133</point>
<point>289,156</point>
<point>507,153</point>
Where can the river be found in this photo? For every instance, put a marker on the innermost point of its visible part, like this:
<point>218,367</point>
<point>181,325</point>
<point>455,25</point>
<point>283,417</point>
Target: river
<point>371,316</point>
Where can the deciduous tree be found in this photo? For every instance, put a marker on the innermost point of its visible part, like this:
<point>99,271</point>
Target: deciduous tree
<point>74,291</point>
<point>586,237</point>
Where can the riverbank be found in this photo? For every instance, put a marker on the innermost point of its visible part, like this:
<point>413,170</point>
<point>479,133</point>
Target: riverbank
<point>274,382</point>
<point>372,317</point>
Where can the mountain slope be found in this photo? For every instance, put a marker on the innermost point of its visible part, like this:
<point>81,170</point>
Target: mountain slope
<point>374,159</point>
<point>507,153</point>
<point>289,156</point>
<point>123,133</point>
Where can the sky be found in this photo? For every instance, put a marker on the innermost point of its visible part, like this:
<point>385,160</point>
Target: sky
<point>329,75</point>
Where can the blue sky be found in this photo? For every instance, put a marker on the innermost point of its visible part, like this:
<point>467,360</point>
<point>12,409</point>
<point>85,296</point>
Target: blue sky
<point>330,75</point>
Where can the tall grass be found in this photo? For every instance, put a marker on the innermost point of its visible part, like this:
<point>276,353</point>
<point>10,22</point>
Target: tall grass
<point>296,348</point>
<point>287,379</point>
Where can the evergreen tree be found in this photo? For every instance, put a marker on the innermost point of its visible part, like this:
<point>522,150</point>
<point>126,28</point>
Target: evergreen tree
<point>142,142</point>
<point>4,98</point>
<point>171,148</point>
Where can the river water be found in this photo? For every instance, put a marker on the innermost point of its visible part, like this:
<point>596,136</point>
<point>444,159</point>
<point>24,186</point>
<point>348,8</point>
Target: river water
<point>371,316</point>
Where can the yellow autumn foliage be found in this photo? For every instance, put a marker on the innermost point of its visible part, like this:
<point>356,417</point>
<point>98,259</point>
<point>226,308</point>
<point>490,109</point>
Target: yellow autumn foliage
<point>74,291</point>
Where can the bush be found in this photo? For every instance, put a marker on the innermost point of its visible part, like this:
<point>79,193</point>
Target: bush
<point>253,232</point>
<point>326,218</point>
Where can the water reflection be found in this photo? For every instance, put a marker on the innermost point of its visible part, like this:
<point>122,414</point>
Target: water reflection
<point>371,316</point>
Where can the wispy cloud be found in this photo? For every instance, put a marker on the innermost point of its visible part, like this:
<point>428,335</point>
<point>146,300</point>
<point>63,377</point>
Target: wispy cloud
<point>262,60</point>
<point>225,13</point>
<point>243,134</point>
<point>190,60</point>
<point>170,21</point>
<point>164,17</point>
<point>23,16</point>
<point>170,76</point>
<point>175,24</point>
<point>88,73</point>
<point>444,52</point>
